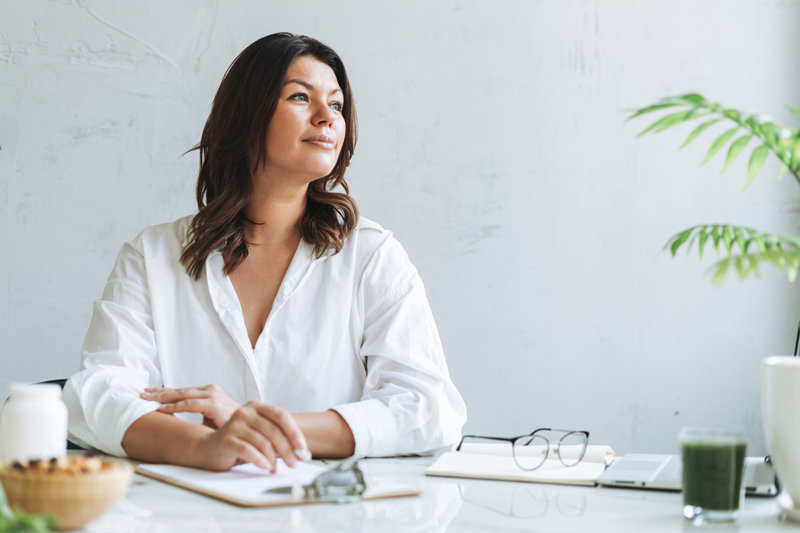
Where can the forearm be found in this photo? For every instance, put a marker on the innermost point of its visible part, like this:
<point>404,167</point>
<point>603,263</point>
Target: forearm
<point>162,438</point>
<point>327,434</point>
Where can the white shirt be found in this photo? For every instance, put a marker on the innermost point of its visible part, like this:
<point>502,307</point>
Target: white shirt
<point>352,332</point>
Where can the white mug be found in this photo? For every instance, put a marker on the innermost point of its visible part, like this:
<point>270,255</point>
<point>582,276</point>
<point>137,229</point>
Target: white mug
<point>780,410</point>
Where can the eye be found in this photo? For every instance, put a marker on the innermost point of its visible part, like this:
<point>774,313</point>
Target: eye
<point>337,106</point>
<point>299,96</point>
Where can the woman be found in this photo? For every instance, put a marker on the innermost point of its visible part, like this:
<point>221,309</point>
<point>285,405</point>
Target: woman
<point>275,316</point>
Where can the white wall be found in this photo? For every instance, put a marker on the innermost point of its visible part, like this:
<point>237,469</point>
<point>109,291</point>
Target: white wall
<point>493,144</point>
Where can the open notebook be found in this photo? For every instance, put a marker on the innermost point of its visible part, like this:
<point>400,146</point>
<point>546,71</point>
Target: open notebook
<point>494,461</point>
<point>249,486</point>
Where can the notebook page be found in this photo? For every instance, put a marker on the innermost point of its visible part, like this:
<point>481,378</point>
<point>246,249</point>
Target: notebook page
<point>484,466</point>
<point>594,453</point>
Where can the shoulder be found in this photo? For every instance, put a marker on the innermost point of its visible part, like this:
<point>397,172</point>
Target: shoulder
<point>367,224</point>
<point>170,235</point>
<point>379,258</point>
<point>155,247</point>
<point>370,239</point>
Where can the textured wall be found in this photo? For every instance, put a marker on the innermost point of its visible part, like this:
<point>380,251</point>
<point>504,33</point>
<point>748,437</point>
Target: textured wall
<point>492,142</point>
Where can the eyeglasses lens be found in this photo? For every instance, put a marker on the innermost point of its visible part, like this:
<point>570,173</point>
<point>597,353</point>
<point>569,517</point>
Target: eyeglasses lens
<point>530,451</point>
<point>572,448</point>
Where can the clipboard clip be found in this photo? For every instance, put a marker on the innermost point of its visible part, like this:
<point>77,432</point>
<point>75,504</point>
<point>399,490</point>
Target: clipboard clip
<point>344,483</point>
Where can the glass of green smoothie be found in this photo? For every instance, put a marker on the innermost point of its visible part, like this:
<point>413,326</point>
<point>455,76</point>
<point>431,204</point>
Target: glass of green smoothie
<point>713,464</point>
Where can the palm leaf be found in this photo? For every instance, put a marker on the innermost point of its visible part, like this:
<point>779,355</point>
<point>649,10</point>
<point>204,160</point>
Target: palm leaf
<point>695,99</point>
<point>745,248</point>
<point>698,130</point>
<point>718,143</point>
<point>733,237</point>
<point>736,148</point>
<point>757,159</point>
<point>671,120</point>
<point>650,109</point>
<point>786,262</point>
<point>783,140</point>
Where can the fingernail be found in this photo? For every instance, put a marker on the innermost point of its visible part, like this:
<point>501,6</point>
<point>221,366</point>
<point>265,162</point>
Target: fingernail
<point>303,455</point>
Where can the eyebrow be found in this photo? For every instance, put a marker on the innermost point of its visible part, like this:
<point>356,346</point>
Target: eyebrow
<point>308,85</point>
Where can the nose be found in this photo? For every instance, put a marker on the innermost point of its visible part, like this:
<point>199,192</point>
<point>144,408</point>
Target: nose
<point>323,115</point>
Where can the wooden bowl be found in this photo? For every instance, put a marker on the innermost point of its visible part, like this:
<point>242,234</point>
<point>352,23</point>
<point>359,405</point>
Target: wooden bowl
<point>73,499</point>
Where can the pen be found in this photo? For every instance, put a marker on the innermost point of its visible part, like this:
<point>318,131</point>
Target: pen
<point>797,342</point>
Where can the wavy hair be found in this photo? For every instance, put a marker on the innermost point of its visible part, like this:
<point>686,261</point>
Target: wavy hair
<point>237,127</point>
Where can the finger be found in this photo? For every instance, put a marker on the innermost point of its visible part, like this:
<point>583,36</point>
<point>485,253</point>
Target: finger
<point>247,453</point>
<point>276,436</point>
<point>175,395</point>
<point>187,406</point>
<point>259,441</point>
<point>155,390</point>
<point>285,421</point>
<point>303,455</point>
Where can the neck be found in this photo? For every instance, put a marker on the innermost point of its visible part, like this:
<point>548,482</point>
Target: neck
<point>277,207</point>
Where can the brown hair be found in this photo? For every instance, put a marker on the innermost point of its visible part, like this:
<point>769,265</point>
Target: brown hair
<point>236,127</point>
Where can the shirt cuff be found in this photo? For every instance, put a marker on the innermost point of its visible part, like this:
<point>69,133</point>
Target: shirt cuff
<point>373,427</point>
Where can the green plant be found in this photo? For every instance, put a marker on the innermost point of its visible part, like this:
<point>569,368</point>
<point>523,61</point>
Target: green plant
<point>746,248</point>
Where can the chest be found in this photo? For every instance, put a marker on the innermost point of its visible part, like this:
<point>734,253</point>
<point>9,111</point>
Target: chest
<point>257,281</point>
<point>308,354</point>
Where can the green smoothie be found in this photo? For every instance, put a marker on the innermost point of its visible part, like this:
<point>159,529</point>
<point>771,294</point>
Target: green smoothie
<point>712,474</point>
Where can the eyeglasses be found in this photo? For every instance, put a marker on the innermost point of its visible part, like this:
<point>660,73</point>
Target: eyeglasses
<point>532,450</point>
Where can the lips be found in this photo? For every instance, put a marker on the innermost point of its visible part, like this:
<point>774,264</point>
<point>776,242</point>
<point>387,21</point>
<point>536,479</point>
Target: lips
<point>322,141</point>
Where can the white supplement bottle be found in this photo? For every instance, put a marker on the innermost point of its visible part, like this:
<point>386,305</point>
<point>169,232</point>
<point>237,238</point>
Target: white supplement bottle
<point>33,423</point>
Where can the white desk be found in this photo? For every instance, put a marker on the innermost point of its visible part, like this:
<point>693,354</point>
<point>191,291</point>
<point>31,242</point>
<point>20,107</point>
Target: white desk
<point>446,504</point>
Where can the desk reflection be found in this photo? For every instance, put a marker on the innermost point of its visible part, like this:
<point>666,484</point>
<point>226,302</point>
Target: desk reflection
<point>154,507</point>
<point>525,502</point>
<point>446,504</point>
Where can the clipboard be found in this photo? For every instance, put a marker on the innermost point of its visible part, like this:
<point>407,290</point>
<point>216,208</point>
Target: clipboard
<point>245,485</point>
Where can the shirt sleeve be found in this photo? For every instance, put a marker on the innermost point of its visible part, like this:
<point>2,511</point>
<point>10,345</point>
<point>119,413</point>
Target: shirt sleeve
<point>409,404</point>
<point>119,359</point>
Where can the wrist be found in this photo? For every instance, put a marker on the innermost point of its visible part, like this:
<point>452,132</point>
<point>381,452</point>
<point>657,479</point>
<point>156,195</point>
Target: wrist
<point>327,433</point>
<point>193,453</point>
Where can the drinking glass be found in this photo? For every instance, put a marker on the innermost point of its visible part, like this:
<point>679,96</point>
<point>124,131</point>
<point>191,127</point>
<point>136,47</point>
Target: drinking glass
<point>713,467</point>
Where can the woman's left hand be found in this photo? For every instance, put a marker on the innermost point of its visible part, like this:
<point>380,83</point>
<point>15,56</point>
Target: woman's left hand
<point>211,401</point>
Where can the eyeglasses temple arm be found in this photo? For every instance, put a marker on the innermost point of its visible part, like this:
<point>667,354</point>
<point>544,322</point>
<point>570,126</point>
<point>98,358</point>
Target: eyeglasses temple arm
<point>458,448</point>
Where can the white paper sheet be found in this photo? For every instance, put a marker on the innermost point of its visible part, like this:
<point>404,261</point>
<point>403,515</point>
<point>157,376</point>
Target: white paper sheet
<point>244,482</point>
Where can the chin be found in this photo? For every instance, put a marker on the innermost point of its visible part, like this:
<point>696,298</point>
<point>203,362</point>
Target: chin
<point>320,171</point>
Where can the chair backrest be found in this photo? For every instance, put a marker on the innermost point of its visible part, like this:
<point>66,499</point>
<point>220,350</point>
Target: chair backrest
<point>59,382</point>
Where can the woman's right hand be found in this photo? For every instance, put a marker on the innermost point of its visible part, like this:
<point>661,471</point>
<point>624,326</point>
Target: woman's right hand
<point>257,433</point>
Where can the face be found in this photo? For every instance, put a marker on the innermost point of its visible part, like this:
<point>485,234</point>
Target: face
<point>306,132</point>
